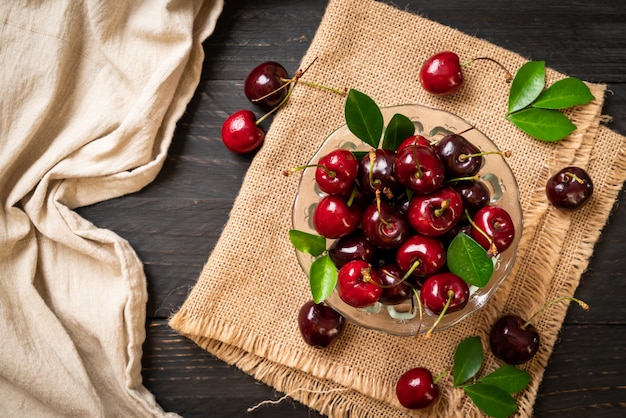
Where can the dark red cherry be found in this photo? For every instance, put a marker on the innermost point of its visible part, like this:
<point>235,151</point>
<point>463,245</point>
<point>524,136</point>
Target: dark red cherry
<point>384,226</point>
<point>395,288</point>
<point>419,168</point>
<point>264,79</point>
<point>459,156</point>
<point>241,134</point>
<point>319,324</point>
<point>512,341</point>
<point>569,188</point>
<point>423,256</point>
<point>414,140</point>
<point>358,284</point>
<point>497,224</point>
<point>333,218</point>
<point>415,389</point>
<point>352,247</point>
<point>337,171</point>
<point>441,74</point>
<point>436,213</point>
<point>444,293</point>
<point>474,194</point>
<point>376,172</point>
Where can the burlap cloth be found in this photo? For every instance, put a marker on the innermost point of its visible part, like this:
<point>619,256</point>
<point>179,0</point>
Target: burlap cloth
<point>243,308</point>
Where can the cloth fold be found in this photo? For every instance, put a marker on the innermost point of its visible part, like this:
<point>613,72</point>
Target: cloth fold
<point>244,306</point>
<point>90,96</point>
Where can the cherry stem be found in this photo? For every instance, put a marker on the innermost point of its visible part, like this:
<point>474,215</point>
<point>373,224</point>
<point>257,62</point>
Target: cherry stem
<point>470,178</point>
<point>440,317</point>
<point>575,177</point>
<point>582,304</point>
<point>332,174</point>
<point>421,309</point>
<point>464,157</point>
<point>419,173</point>
<point>319,86</point>
<point>507,74</point>
<point>380,214</point>
<point>441,210</point>
<point>440,376</point>
<point>493,250</point>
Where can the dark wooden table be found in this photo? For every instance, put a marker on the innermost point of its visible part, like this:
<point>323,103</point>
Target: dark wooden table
<point>174,223</point>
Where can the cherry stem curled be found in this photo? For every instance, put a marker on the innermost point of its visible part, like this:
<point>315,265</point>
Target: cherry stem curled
<point>582,304</point>
<point>508,77</point>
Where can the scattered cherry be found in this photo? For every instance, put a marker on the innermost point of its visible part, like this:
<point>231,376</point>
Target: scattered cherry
<point>569,188</point>
<point>240,132</point>
<point>319,324</point>
<point>358,284</point>
<point>264,84</point>
<point>415,389</point>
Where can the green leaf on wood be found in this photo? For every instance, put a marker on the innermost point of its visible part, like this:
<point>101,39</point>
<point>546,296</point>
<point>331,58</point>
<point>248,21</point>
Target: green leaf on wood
<point>527,85</point>
<point>364,118</point>
<point>468,357</point>
<point>544,124</point>
<point>398,129</point>
<point>322,278</point>
<point>564,93</point>
<point>307,243</point>
<point>468,260</point>
<point>508,378</point>
<point>492,400</point>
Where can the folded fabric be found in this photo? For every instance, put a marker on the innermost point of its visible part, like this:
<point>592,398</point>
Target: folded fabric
<point>90,94</point>
<point>247,315</point>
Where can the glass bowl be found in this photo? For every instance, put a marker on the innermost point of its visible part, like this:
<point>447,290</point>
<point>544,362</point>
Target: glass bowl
<point>404,319</point>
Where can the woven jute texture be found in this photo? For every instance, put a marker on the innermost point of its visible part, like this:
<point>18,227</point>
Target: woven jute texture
<point>243,308</point>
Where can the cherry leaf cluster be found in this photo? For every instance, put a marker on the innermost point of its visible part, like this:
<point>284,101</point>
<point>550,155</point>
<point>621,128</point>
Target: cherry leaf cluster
<point>491,393</point>
<point>536,110</point>
<point>322,273</point>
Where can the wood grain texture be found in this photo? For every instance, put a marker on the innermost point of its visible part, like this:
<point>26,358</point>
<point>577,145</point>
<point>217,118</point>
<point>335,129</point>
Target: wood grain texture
<point>175,222</point>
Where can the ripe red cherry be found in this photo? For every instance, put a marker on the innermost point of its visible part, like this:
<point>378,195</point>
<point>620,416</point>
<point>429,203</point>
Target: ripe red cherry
<point>421,255</point>
<point>460,157</point>
<point>319,324</point>
<point>570,188</point>
<point>419,169</point>
<point>384,226</point>
<point>441,74</point>
<point>352,247</point>
<point>474,194</point>
<point>333,218</point>
<point>513,341</point>
<point>264,79</point>
<point>415,389</point>
<point>241,134</point>
<point>444,293</point>
<point>376,172</point>
<point>396,290</point>
<point>497,224</point>
<point>436,213</point>
<point>414,140</point>
<point>358,284</point>
<point>337,171</point>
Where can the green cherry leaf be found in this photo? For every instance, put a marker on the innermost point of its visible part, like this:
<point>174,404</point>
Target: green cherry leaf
<point>492,400</point>
<point>527,85</point>
<point>364,118</point>
<point>399,128</point>
<point>322,278</point>
<point>544,124</point>
<point>508,378</point>
<point>468,357</point>
<point>564,93</point>
<point>307,243</point>
<point>469,260</point>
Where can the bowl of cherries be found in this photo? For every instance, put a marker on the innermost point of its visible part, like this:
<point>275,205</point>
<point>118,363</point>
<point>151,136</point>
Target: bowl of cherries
<point>406,219</point>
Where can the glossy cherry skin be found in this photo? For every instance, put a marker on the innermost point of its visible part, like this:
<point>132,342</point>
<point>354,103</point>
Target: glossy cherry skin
<point>570,188</point>
<point>352,247</point>
<point>333,218</point>
<point>384,226</point>
<point>395,290</point>
<point>428,252</point>
<point>511,342</point>
<point>319,324</point>
<point>415,389</point>
<point>441,74</point>
<point>497,224</point>
<point>438,288</point>
<point>414,140</point>
<point>339,171</point>
<point>453,150</point>
<point>419,168</point>
<point>265,78</point>
<point>376,172</point>
<point>474,194</point>
<point>241,134</point>
<point>436,213</point>
<point>358,284</point>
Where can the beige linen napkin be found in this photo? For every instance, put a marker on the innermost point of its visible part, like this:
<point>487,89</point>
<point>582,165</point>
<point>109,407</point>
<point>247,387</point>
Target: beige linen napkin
<point>90,93</point>
<point>243,308</point>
